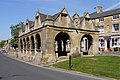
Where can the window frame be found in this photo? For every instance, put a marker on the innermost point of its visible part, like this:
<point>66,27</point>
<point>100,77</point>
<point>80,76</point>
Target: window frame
<point>101,29</point>
<point>114,26</point>
<point>101,19</point>
<point>116,16</point>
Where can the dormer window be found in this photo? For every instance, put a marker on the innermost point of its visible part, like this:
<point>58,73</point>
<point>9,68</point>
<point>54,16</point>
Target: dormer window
<point>37,17</point>
<point>116,16</point>
<point>23,28</point>
<point>101,19</point>
<point>76,22</point>
<point>87,19</point>
<point>63,17</point>
<point>27,24</point>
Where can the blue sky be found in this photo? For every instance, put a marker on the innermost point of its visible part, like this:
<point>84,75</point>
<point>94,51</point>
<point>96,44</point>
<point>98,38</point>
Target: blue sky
<point>14,11</point>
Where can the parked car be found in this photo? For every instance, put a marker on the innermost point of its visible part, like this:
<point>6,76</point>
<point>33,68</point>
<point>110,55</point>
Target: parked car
<point>3,51</point>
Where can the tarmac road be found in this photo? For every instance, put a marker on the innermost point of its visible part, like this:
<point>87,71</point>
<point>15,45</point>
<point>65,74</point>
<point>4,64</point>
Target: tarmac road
<point>11,69</point>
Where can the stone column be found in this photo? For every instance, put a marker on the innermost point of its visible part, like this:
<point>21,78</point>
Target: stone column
<point>56,50</point>
<point>23,45</point>
<point>19,49</point>
<point>56,46</point>
<point>35,45</point>
<point>19,46</point>
<point>110,43</point>
<point>62,45</point>
<point>68,45</point>
<point>105,45</point>
<point>26,45</point>
<point>30,44</point>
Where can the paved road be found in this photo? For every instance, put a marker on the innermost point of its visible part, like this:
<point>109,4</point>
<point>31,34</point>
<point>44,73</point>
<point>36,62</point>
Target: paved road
<point>11,69</point>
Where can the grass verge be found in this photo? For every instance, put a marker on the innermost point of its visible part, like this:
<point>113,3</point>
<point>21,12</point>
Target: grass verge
<point>105,66</point>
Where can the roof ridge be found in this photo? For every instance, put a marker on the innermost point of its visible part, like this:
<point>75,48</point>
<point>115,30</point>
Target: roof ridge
<point>105,13</point>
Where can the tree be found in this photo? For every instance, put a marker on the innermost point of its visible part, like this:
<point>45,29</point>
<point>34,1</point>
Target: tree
<point>2,43</point>
<point>15,34</point>
<point>14,43</point>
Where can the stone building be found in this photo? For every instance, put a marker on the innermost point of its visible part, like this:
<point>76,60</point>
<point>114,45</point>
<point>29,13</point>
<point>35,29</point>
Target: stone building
<point>107,22</point>
<point>50,37</point>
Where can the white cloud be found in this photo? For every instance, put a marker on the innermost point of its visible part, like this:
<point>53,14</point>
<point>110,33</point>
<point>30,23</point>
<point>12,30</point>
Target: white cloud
<point>113,6</point>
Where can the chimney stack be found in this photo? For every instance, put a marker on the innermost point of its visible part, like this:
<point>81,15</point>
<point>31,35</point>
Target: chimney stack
<point>99,9</point>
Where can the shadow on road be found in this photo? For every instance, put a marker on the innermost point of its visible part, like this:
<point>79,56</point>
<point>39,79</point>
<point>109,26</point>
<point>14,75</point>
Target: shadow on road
<point>16,75</point>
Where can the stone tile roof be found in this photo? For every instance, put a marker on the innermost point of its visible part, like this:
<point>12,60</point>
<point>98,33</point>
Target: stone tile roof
<point>105,13</point>
<point>31,23</point>
<point>44,16</point>
<point>55,15</point>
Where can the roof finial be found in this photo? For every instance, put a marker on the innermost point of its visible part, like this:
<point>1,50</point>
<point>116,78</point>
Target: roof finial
<point>47,17</point>
<point>27,18</point>
<point>76,12</point>
<point>64,6</point>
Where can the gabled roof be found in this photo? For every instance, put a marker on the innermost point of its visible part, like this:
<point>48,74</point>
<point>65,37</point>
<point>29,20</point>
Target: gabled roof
<point>86,14</point>
<point>55,15</point>
<point>75,14</point>
<point>43,17</point>
<point>105,13</point>
<point>31,23</point>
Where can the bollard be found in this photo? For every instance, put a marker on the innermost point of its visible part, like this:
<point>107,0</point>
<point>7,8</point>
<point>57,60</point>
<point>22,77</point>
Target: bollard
<point>70,62</point>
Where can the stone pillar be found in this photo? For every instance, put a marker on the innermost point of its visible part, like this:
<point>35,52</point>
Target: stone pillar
<point>56,46</point>
<point>35,45</point>
<point>68,45</point>
<point>23,45</point>
<point>62,45</point>
<point>56,50</point>
<point>19,46</point>
<point>26,46</point>
<point>30,45</point>
<point>110,43</point>
<point>105,45</point>
<point>19,49</point>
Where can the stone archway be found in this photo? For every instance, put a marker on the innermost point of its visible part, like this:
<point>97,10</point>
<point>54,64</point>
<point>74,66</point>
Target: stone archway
<point>62,44</point>
<point>32,43</point>
<point>86,44</point>
<point>38,42</point>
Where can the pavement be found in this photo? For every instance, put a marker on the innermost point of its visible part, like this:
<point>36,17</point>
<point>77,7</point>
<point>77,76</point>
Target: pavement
<point>110,53</point>
<point>15,69</point>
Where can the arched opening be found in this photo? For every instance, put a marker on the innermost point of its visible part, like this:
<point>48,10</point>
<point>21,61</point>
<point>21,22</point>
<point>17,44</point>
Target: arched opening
<point>28,43</point>
<point>86,43</point>
<point>38,42</point>
<point>32,43</point>
<point>62,44</point>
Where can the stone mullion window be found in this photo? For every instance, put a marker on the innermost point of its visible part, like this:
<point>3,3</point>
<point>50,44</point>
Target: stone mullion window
<point>115,27</point>
<point>116,16</point>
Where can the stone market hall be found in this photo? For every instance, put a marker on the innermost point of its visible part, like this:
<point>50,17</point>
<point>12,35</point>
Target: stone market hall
<point>51,37</point>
